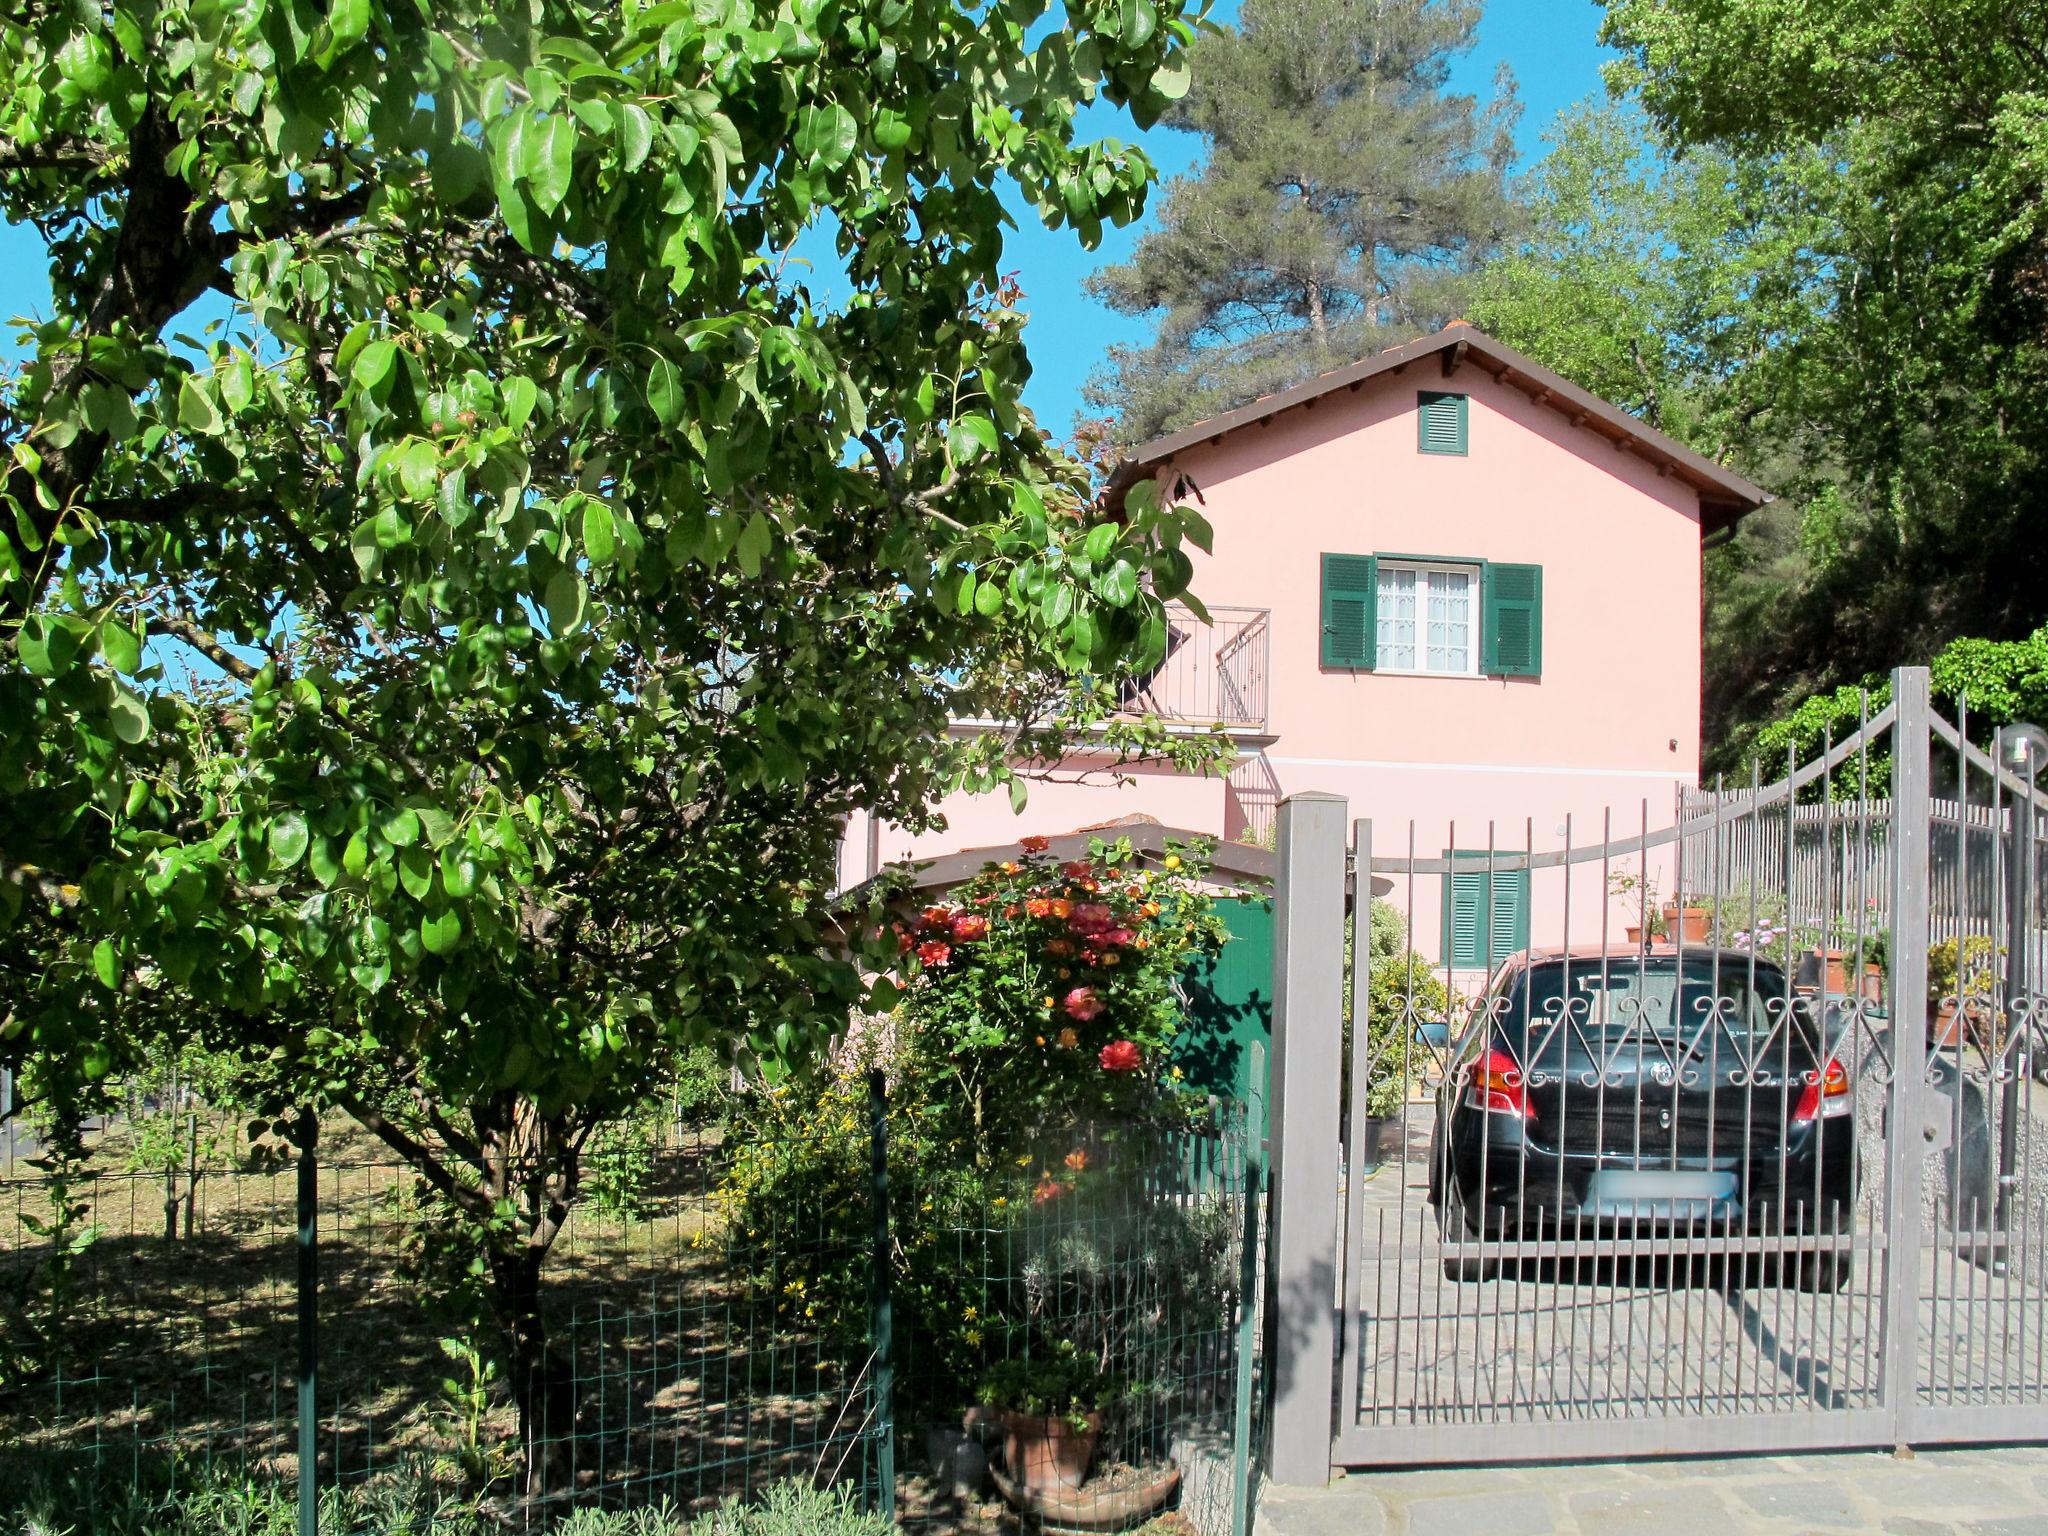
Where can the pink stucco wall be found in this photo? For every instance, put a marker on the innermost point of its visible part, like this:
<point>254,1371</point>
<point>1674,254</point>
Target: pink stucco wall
<point>1610,729</point>
<point>1619,547</point>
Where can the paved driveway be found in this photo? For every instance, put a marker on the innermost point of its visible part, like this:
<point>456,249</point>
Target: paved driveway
<point>1973,1492</point>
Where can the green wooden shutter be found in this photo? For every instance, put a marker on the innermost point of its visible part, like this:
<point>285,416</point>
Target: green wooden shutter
<point>1486,914</point>
<point>1440,422</point>
<point>1350,610</point>
<point>1465,920</point>
<point>1509,917</point>
<point>1511,633</point>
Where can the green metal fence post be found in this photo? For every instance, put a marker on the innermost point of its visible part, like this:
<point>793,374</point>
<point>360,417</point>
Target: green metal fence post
<point>882,1319</point>
<point>309,1317</point>
<point>1248,1290</point>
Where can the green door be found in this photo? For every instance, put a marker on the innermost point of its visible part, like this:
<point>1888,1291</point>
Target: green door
<point>1230,1002</point>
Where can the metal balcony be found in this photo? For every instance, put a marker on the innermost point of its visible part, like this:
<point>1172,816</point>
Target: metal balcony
<point>1213,674</point>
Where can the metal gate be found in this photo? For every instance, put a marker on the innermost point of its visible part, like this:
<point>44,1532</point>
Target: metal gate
<point>1723,1134</point>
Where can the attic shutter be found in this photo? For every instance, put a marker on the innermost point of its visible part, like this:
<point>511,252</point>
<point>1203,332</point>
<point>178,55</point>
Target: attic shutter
<point>1440,422</point>
<point>1350,616</point>
<point>1511,635</point>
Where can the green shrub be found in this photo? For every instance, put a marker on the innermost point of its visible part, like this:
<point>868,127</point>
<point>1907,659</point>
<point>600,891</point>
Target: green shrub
<point>792,1509</point>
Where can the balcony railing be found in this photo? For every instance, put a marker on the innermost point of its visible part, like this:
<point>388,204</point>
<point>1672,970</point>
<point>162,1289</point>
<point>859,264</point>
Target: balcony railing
<point>1213,674</point>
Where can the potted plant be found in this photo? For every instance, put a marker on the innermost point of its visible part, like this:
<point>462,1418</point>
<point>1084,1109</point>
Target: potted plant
<point>1687,920</point>
<point>1403,991</point>
<point>1048,1407</point>
<point>1962,991</point>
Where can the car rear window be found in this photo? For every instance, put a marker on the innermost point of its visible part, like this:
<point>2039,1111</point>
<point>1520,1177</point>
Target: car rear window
<point>1647,996</point>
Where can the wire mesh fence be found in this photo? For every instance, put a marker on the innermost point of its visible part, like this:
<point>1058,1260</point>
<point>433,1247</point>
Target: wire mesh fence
<point>705,1345</point>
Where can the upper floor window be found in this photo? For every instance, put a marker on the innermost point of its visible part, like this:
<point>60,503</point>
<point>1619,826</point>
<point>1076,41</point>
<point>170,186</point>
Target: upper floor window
<point>1436,615</point>
<point>1440,419</point>
<point>1428,618</point>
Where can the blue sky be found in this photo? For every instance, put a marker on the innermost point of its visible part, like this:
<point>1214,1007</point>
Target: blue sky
<point>1552,46</point>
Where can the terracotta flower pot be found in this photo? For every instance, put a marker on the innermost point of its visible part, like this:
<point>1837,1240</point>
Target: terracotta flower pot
<point>1046,1454</point>
<point>1693,925</point>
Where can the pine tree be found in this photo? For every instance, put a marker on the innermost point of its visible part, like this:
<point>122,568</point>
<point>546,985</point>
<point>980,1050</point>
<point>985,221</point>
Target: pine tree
<point>1345,199</point>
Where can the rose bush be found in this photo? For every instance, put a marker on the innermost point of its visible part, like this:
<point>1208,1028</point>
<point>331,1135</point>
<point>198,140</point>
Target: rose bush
<point>1043,994</point>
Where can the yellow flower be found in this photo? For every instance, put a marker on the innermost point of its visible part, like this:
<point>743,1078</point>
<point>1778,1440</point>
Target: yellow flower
<point>971,1314</point>
<point>1048,1002</point>
<point>1001,1201</point>
<point>972,1336</point>
<point>1174,1074</point>
<point>1024,1161</point>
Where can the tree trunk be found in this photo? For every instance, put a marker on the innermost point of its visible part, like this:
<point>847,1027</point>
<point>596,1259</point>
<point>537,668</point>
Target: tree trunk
<point>542,1382</point>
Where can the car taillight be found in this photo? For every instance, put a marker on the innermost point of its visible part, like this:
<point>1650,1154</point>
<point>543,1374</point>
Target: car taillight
<point>1826,1095</point>
<point>1494,1083</point>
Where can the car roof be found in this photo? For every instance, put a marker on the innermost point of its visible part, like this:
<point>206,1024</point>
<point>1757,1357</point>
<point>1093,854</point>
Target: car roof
<point>1655,951</point>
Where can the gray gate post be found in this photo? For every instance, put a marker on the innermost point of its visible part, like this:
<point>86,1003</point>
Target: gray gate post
<point>1906,1129</point>
<point>1308,1034</point>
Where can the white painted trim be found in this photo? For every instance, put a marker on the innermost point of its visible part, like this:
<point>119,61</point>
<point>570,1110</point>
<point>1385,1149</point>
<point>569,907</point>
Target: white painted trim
<point>1671,774</point>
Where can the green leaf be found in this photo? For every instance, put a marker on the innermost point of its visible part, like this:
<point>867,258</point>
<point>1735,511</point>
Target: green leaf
<point>128,714</point>
<point>566,600</point>
<point>416,872</point>
<point>636,137</point>
<point>519,395</point>
<point>452,498</point>
<point>550,156</point>
<point>665,392</point>
<point>827,136</point>
<point>988,599</point>
<point>458,872</point>
<point>321,861</point>
<point>401,828</point>
<point>1019,795</point>
<point>752,547</point>
<point>374,364</point>
<point>600,536</point>
<point>121,646</point>
<point>1101,540</point>
<point>970,437</point>
<point>349,22</point>
<point>106,964</point>
<point>196,410</point>
<point>288,840</point>
<point>964,599</point>
<point>1119,584</point>
<point>442,935</point>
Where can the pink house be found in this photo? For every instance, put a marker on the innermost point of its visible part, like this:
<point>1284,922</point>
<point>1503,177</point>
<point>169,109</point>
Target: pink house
<point>1447,584</point>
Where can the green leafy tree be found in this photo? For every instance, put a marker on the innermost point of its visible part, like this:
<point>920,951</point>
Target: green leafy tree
<point>442,679</point>
<point>1921,390</point>
<point>1688,289</point>
<point>1344,197</point>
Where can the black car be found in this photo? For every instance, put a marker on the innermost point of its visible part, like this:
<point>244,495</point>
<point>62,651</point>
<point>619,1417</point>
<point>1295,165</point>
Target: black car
<point>1647,1092</point>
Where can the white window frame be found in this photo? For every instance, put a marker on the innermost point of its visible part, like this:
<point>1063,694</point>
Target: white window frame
<point>1423,569</point>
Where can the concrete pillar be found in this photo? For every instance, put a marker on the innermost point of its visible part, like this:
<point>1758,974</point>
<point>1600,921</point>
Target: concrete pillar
<point>1308,1034</point>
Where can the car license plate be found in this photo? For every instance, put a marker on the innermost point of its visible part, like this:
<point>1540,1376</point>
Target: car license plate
<point>1652,1192</point>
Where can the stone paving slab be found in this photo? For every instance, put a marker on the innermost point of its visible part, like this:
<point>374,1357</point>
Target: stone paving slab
<point>1999,1491</point>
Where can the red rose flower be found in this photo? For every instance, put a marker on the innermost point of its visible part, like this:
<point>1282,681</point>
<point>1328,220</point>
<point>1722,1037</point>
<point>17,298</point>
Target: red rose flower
<point>967,927</point>
<point>1038,906</point>
<point>934,952</point>
<point>1084,1003</point>
<point>936,917</point>
<point>1077,869</point>
<point>1034,843</point>
<point>903,942</point>
<point>1062,908</point>
<point>1120,1056</point>
<point>1114,936</point>
<point>1092,917</point>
